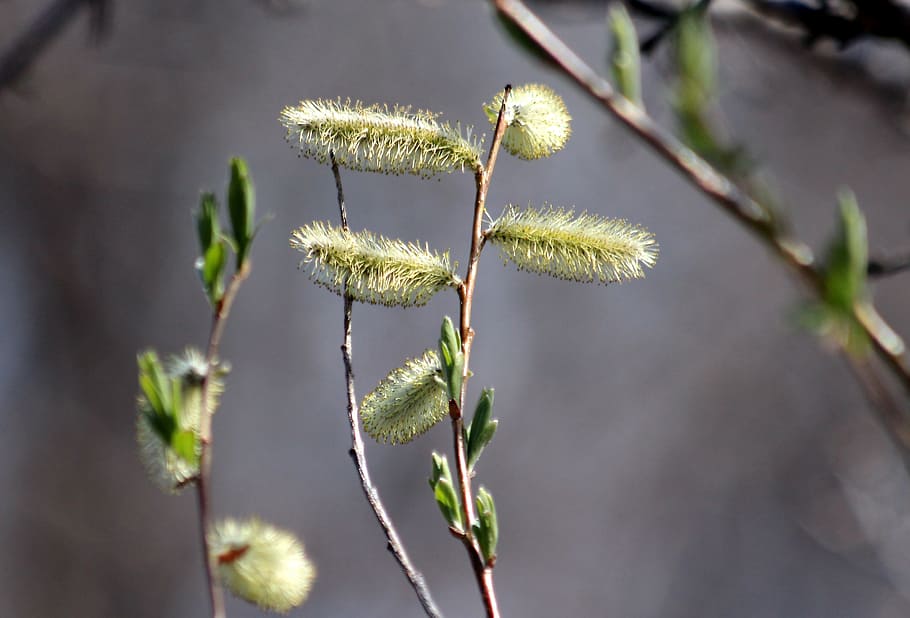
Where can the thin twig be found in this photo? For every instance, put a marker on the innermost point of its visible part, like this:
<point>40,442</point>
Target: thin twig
<point>796,254</point>
<point>358,454</point>
<point>24,50</point>
<point>203,494</point>
<point>483,572</point>
<point>886,409</point>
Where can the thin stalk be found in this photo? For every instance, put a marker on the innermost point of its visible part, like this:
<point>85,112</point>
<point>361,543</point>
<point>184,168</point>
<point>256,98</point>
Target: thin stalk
<point>796,254</point>
<point>358,454</point>
<point>483,572</point>
<point>203,494</point>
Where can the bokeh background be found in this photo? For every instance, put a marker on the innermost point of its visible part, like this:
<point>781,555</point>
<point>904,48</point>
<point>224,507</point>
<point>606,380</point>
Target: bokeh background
<point>672,447</point>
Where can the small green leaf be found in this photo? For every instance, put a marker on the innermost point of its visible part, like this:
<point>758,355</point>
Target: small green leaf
<point>186,444</point>
<point>440,469</point>
<point>207,226</point>
<point>486,530</point>
<point>242,208</point>
<point>211,271</point>
<point>452,358</point>
<point>625,61</point>
<point>844,282</point>
<point>845,267</point>
<point>448,503</point>
<point>482,427</point>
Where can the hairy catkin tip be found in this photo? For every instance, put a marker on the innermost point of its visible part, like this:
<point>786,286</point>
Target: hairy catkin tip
<point>376,138</point>
<point>407,403</point>
<point>538,123</point>
<point>371,268</point>
<point>584,247</point>
<point>261,564</point>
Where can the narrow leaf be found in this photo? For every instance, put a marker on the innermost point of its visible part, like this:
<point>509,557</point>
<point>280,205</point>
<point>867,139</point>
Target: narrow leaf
<point>452,358</point>
<point>479,429</point>
<point>448,503</point>
<point>242,208</point>
<point>625,61</point>
<point>207,226</point>
<point>487,527</point>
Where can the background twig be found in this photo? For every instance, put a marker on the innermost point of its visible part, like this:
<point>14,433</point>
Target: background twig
<point>24,50</point>
<point>357,453</point>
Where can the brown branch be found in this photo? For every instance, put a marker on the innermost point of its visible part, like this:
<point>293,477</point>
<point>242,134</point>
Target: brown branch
<point>482,571</point>
<point>886,409</point>
<point>24,50</point>
<point>794,253</point>
<point>203,494</point>
<point>357,452</point>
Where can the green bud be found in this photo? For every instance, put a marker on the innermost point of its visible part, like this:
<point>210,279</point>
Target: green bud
<point>482,428</point>
<point>242,208</point>
<point>486,530</point>
<point>452,357</point>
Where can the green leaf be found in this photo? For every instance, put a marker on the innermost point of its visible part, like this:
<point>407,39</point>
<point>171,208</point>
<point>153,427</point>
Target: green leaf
<point>482,427</point>
<point>452,358</point>
<point>848,255</point>
<point>625,61</point>
<point>844,282</point>
<point>207,226</point>
<point>242,208</point>
<point>186,445</point>
<point>486,530</point>
<point>211,271</point>
<point>448,503</point>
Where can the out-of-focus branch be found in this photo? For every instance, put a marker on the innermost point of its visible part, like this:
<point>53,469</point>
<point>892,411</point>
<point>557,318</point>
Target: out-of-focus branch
<point>717,187</point>
<point>843,22</point>
<point>24,50</point>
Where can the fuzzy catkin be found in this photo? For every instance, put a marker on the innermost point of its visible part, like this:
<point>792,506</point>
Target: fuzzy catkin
<point>537,121</point>
<point>375,138</point>
<point>584,247</point>
<point>406,403</point>
<point>371,268</point>
<point>261,564</point>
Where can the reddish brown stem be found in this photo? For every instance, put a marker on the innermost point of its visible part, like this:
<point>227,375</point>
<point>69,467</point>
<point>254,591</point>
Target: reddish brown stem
<point>482,572</point>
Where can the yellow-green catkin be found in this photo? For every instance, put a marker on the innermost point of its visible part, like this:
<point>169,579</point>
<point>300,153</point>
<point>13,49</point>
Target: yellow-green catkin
<point>371,268</point>
<point>261,564</point>
<point>537,121</point>
<point>582,247</point>
<point>408,402</point>
<point>376,138</point>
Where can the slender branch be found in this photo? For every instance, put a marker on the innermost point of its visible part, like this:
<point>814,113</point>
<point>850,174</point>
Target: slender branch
<point>24,50</point>
<point>358,454</point>
<point>203,494</point>
<point>482,571</point>
<point>888,411</point>
<point>796,254</point>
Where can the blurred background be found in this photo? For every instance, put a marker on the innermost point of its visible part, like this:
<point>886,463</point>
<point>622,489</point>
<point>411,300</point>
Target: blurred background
<point>672,447</point>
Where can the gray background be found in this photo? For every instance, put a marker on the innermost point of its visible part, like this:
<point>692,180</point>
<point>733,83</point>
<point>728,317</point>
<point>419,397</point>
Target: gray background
<point>669,447</point>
